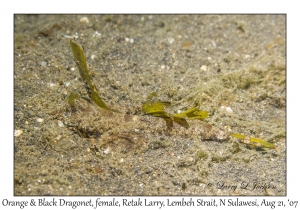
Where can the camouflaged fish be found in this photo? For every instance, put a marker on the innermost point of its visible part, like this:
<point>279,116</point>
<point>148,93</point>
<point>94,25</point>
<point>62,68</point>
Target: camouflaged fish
<point>158,109</point>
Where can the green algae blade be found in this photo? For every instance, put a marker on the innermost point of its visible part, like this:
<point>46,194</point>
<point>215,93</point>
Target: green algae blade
<point>80,60</point>
<point>192,113</point>
<point>237,135</point>
<point>96,98</point>
<point>263,143</point>
<point>258,142</point>
<point>156,109</point>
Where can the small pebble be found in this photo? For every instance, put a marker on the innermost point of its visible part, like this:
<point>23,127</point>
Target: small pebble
<point>204,68</point>
<point>131,40</point>
<point>96,34</point>
<point>171,40</point>
<point>52,85</point>
<point>60,123</point>
<point>247,56</point>
<point>106,151</point>
<point>84,20</point>
<point>43,63</point>
<point>18,132</point>
<point>58,137</point>
<point>135,118</point>
<point>228,109</point>
<point>67,84</point>
<point>40,120</point>
<point>202,185</point>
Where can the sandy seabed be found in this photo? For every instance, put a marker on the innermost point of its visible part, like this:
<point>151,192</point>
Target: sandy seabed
<point>233,66</point>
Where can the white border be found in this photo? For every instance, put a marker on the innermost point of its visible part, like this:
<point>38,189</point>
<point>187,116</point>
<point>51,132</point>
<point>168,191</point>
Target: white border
<point>8,8</point>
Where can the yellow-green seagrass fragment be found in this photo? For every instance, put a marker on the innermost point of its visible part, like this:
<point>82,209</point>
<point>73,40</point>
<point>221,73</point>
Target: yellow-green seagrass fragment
<point>192,113</point>
<point>237,135</point>
<point>156,108</point>
<point>96,98</point>
<point>84,73</point>
<point>80,60</point>
<point>263,143</point>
